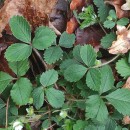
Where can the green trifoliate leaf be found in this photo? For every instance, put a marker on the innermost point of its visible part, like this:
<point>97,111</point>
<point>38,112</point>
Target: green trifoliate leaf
<point>123,68</point>
<point>21,91</point>
<point>123,21</point>
<point>109,24</point>
<point>49,77</point>
<point>44,37</point>
<point>76,53</point>
<point>103,9</point>
<point>18,52</point>
<point>107,79</point>
<point>5,79</point>
<point>38,97</point>
<point>107,40</point>
<point>96,108</point>
<point>20,67</point>
<point>74,72</point>
<point>20,28</point>
<point>93,79</point>
<point>53,54</point>
<point>2,104</point>
<point>55,97</point>
<point>67,40</point>
<point>88,55</point>
<point>120,99</point>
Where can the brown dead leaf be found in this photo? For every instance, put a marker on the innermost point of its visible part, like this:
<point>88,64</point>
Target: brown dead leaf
<point>122,44</point>
<point>126,120</point>
<point>127,84</point>
<point>35,11</point>
<point>126,6</point>
<point>117,5</point>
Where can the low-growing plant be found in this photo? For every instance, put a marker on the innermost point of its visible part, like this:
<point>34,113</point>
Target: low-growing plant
<point>75,92</point>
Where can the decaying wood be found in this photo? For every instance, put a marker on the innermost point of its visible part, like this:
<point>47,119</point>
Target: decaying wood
<point>35,11</point>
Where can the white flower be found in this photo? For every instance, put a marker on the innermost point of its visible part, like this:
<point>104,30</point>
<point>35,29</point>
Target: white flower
<point>63,114</point>
<point>83,9</point>
<point>17,125</point>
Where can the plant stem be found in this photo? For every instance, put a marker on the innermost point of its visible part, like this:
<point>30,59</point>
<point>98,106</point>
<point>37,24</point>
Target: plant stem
<point>102,27</point>
<point>106,63</point>
<point>7,107</point>
<point>38,54</point>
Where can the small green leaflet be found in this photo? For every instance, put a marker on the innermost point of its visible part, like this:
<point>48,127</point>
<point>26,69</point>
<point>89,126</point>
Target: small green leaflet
<point>20,28</point>
<point>88,55</point>
<point>19,68</point>
<point>45,124</point>
<point>123,21</point>
<point>95,127</point>
<point>49,77</point>
<point>107,40</point>
<point>80,125</point>
<point>21,91</point>
<point>123,68</point>
<point>109,24</point>
<point>67,40</point>
<point>55,97</point>
<point>93,79</point>
<point>74,72</point>
<point>5,79</point>
<point>107,79</point>
<point>44,37</point>
<point>38,97</point>
<point>2,104</point>
<point>17,52</point>
<point>68,62</point>
<point>96,108</point>
<point>103,10</point>
<point>110,124</point>
<point>120,99</point>
<point>53,54</point>
<point>76,53</point>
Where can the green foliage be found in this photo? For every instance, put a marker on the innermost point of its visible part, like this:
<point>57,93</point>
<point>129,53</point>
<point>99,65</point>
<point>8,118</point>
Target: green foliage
<point>103,9</point>
<point>93,79</point>
<point>20,28</point>
<point>53,54</point>
<point>107,40</point>
<point>18,52</point>
<point>55,97</point>
<point>120,99</point>
<point>72,76</point>
<point>44,37</point>
<point>2,104</point>
<point>19,68</point>
<point>67,40</point>
<point>21,91</point>
<point>88,55</point>
<point>123,68</point>
<point>112,20</point>
<point>5,79</point>
<point>96,108</point>
<point>109,24</point>
<point>49,77</point>
<point>107,79</point>
<point>74,72</point>
<point>123,21</point>
<point>80,125</point>
<point>76,53</point>
<point>38,97</point>
<point>88,16</point>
